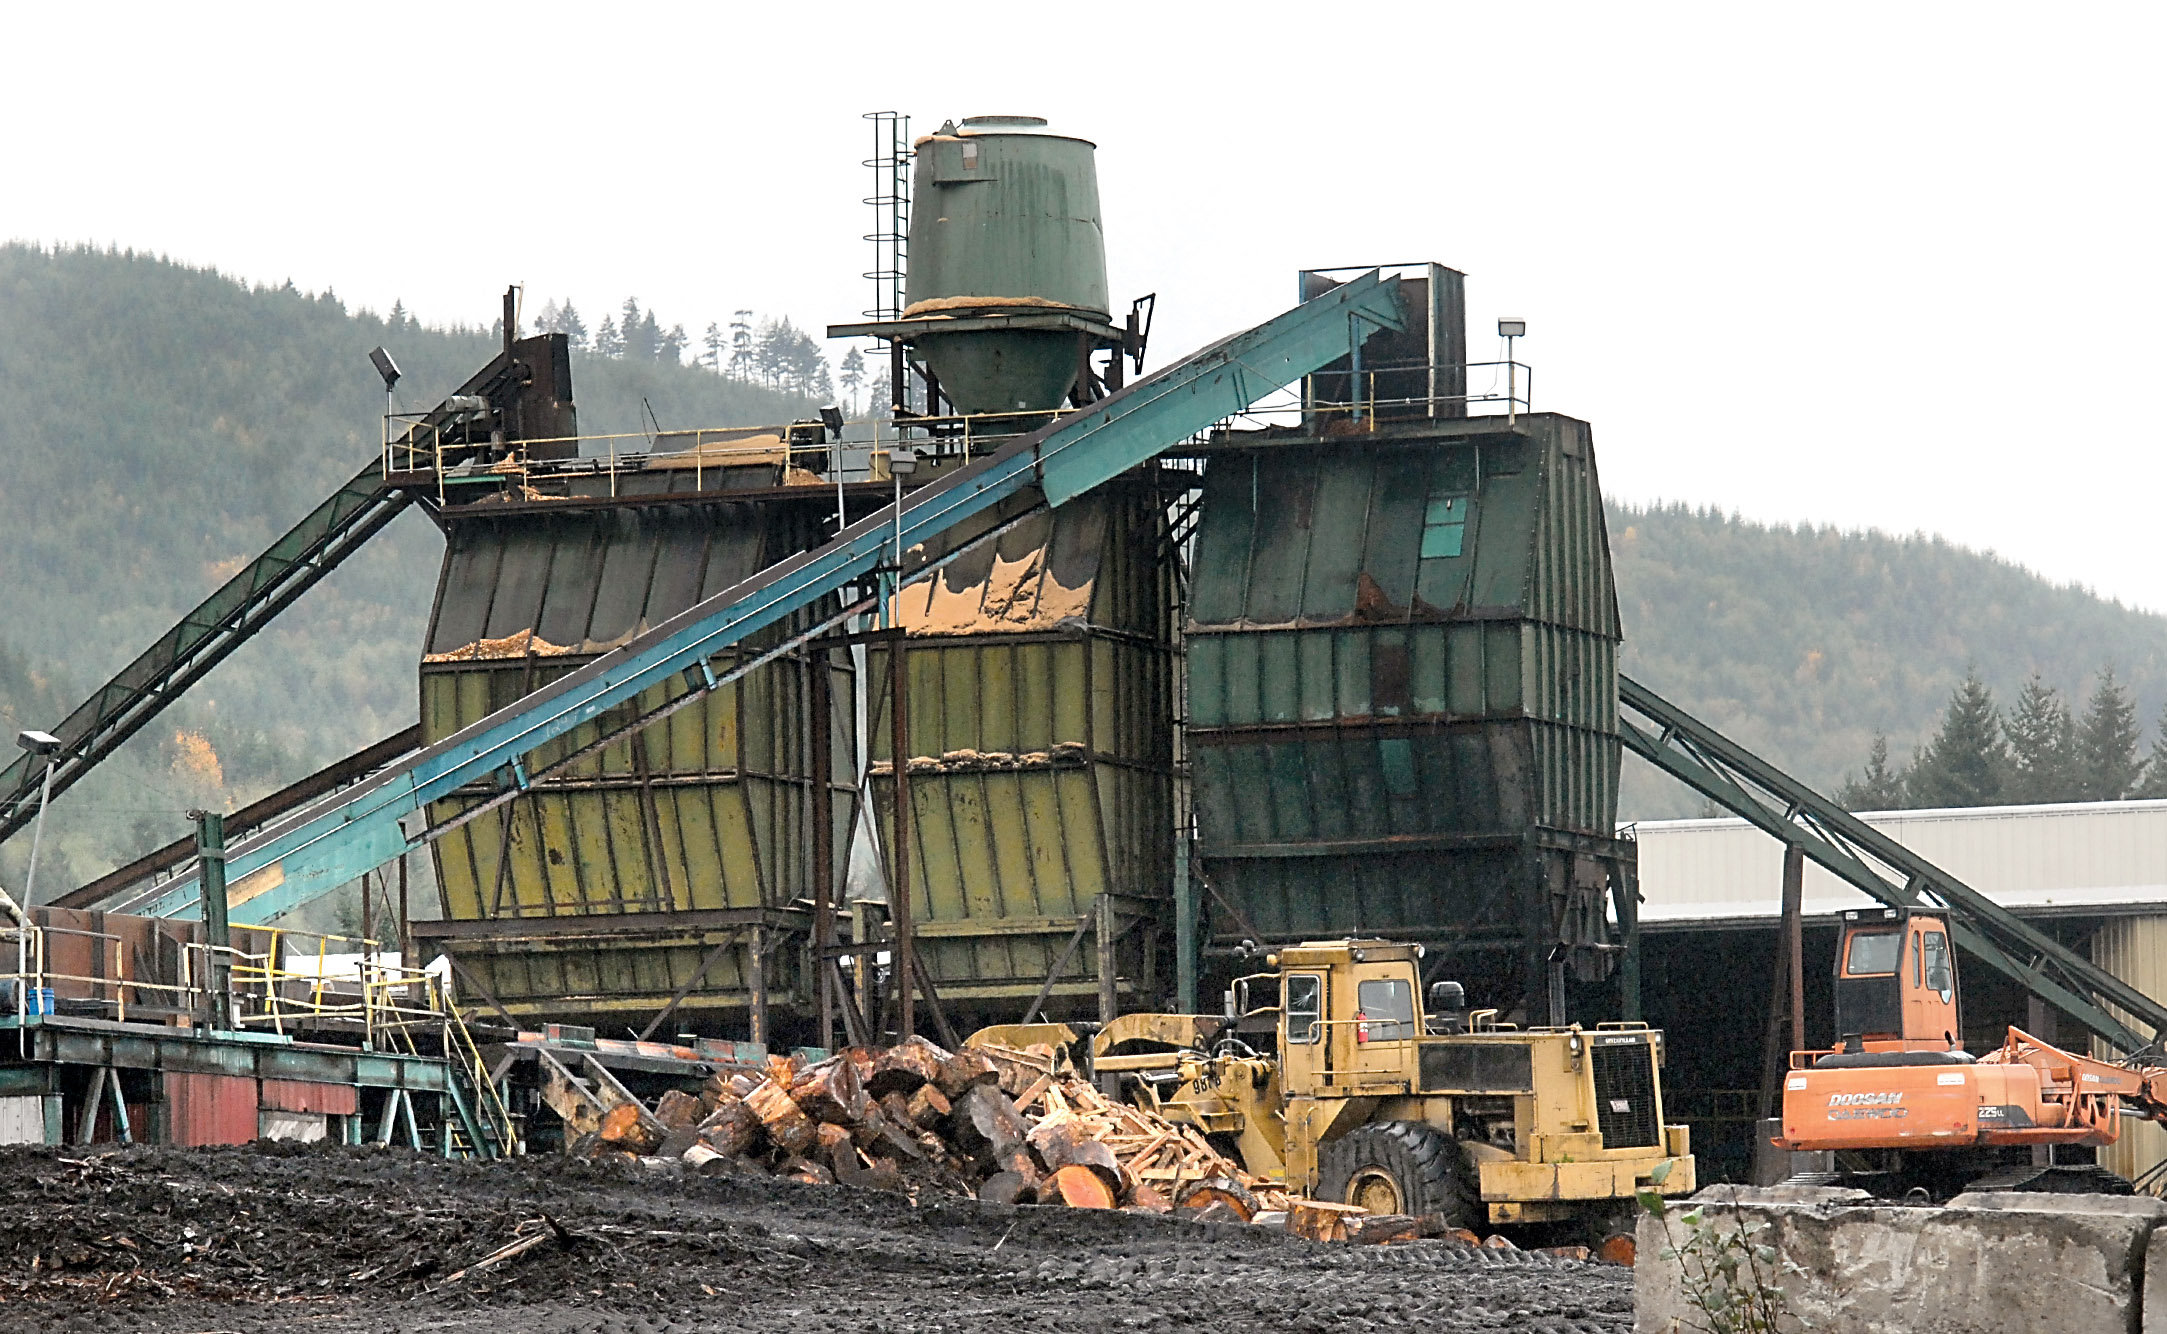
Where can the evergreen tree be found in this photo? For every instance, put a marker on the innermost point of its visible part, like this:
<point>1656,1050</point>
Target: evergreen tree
<point>741,345</point>
<point>1967,761</point>
<point>563,319</point>
<point>607,341</point>
<point>1880,788</point>
<point>2107,763</point>
<point>398,319</point>
<point>642,340</point>
<point>2153,785</point>
<point>2042,746</point>
<point>711,343</point>
<point>853,377</point>
<point>671,347</point>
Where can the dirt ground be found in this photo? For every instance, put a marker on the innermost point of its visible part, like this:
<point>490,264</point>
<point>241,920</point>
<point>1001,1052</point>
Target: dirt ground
<point>339,1239</point>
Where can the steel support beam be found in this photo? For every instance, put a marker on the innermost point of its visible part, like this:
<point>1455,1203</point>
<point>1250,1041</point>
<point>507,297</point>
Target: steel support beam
<point>1781,806</point>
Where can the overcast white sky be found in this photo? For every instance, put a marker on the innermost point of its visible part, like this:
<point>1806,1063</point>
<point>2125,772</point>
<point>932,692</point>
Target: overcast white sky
<point>1891,265</point>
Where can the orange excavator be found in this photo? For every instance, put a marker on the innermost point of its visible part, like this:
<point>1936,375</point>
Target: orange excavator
<point>1899,1092</point>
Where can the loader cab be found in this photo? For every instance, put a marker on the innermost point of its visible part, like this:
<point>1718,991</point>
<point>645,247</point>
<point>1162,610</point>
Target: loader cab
<point>1895,983</point>
<point>1346,1011</point>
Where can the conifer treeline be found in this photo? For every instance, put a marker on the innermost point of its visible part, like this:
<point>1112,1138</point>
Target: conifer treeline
<point>2041,751</point>
<point>772,353</point>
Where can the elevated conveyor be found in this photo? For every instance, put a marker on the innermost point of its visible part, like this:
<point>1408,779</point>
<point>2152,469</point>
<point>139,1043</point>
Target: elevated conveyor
<point>1741,782</point>
<point>203,638</point>
<point>269,584</point>
<point>320,848</point>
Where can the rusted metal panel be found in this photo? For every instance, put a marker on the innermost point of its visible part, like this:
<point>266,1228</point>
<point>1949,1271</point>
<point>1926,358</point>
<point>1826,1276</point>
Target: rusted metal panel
<point>209,1109</point>
<point>1402,687</point>
<point>708,809</point>
<point>1041,675</point>
<point>300,1095</point>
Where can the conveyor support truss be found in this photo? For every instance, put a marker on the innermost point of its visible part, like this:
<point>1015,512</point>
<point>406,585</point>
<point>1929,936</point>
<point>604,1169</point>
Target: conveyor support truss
<point>1740,781</point>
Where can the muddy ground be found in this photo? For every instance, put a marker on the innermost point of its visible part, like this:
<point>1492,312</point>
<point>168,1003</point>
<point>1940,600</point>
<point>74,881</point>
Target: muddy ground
<point>339,1239</point>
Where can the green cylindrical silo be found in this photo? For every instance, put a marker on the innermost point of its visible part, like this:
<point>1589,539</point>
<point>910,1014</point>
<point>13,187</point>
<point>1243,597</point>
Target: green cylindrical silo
<point>1004,221</point>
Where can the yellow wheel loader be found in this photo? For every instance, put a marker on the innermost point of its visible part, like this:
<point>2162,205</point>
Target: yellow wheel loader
<point>1329,1074</point>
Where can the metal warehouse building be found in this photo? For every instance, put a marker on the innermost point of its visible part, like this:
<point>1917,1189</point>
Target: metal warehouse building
<point>2094,875</point>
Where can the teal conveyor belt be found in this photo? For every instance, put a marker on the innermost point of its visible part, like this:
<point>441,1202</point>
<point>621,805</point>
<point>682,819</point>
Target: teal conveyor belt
<point>341,838</point>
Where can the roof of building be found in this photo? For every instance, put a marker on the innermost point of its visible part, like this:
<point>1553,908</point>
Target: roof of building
<point>2082,858</point>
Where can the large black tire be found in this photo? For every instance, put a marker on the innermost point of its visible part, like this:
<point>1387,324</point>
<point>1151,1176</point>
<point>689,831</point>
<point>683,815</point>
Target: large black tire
<point>1402,1167</point>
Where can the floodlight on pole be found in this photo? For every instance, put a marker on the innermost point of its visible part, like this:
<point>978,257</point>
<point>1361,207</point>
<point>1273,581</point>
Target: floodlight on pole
<point>47,745</point>
<point>902,462</point>
<point>389,369</point>
<point>1509,329</point>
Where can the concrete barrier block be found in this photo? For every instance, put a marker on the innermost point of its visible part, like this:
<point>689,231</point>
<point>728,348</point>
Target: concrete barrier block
<point>2065,1263</point>
<point>2155,1283</point>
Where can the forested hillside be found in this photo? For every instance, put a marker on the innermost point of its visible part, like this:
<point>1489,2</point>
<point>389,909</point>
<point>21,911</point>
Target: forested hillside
<point>1802,642</point>
<point>159,426</point>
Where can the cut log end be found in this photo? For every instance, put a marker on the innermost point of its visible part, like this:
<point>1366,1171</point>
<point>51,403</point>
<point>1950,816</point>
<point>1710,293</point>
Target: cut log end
<point>1082,1187</point>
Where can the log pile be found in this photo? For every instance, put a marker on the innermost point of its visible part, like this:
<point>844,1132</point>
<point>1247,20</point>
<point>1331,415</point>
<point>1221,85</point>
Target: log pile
<point>1007,1126</point>
<point>1002,1125</point>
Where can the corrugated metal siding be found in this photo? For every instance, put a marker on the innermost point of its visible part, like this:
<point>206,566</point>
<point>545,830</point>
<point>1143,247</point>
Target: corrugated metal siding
<point>2135,950</point>
<point>300,1095</point>
<point>1041,685</point>
<point>1489,677</point>
<point>2104,854</point>
<point>707,809</point>
<point>209,1109</point>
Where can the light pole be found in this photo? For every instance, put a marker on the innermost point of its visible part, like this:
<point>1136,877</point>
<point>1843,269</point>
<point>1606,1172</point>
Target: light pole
<point>47,745</point>
<point>902,950</point>
<point>389,369</point>
<point>1510,329</point>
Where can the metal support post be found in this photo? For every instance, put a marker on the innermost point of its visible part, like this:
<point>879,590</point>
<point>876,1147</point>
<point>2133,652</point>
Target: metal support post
<point>211,859</point>
<point>899,919</point>
<point>2040,1022</point>
<point>823,819</point>
<point>1794,938</point>
<point>1625,900</point>
<point>862,969</point>
<point>1185,943</point>
<point>37,835</point>
<point>757,958</point>
<point>1109,982</point>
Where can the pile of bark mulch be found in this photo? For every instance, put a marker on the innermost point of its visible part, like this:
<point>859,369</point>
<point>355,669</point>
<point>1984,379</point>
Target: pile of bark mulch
<point>348,1239</point>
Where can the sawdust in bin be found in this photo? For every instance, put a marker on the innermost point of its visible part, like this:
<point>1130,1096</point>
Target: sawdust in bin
<point>523,644</point>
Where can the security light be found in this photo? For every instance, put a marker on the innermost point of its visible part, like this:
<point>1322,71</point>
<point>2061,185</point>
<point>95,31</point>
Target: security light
<point>38,743</point>
<point>385,367</point>
<point>832,418</point>
<point>1512,328</point>
<point>903,462</point>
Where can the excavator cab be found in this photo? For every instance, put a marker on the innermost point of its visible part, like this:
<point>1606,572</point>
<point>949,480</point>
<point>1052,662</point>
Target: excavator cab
<point>1895,983</point>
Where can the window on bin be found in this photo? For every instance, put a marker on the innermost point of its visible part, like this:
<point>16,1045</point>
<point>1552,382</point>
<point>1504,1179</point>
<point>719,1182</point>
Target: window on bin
<point>1444,525</point>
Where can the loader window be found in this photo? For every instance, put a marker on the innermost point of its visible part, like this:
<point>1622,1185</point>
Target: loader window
<point>1305,1007</point>
<point>1388,1009</point>
<point>1938,976</point>
<point>1873,952</point>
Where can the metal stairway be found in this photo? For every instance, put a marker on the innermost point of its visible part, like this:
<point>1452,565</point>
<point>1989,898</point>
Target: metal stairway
<point>311,853</point>
<point>1744,783</point>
